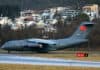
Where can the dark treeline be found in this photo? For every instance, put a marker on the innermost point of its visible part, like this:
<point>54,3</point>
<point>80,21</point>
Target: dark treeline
<point>10,11</point>
<point>40,4</point>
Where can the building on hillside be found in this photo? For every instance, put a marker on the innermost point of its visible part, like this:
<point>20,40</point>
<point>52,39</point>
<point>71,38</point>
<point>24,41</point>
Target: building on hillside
<point>70,13</point>
<point>92,10</point>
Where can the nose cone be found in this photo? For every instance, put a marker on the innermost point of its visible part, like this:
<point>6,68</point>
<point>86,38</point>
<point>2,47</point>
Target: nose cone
<point>3,46</point>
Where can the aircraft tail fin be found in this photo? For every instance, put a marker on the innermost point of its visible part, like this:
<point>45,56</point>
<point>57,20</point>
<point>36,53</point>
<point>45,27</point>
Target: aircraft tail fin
<point>83,30</point>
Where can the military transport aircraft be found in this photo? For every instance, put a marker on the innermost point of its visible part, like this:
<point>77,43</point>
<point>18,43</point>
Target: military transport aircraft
<point>42,45</point>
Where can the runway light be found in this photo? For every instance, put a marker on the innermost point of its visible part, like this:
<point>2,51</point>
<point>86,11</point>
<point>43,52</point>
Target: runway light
<point>80,54</point>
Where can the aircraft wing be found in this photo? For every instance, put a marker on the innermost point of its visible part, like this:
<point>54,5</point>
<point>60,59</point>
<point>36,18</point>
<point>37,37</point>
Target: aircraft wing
<point>41,41</point>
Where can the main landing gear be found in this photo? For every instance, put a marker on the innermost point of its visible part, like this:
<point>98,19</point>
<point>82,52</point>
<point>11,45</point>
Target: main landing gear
<point>9,51</point>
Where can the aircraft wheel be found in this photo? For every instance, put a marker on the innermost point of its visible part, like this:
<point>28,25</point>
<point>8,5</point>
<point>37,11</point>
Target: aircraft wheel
<point>42,51</point>
<point>9,51</point>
